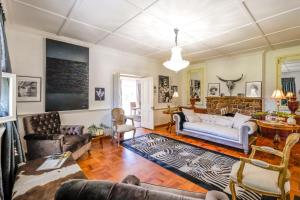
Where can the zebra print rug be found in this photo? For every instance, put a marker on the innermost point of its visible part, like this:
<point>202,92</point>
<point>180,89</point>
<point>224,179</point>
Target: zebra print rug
<point>206,168</point>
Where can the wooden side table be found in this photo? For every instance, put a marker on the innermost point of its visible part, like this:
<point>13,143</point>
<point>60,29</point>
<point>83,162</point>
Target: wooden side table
<point>100,138</point>
<point>171,112</point>
<point>277,126</point>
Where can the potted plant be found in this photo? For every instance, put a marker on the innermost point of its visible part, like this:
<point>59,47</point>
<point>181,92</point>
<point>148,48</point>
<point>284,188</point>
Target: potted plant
<point>96,130</point>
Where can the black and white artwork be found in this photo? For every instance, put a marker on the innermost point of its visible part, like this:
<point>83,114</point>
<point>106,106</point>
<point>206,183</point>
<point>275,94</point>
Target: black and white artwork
<point>164,89</point>
<point>213,90</point>
<point>67,76</point>
<point>253,89</point>
<point>195,91</point>
<point>99,94</point>
<point>29,89</point>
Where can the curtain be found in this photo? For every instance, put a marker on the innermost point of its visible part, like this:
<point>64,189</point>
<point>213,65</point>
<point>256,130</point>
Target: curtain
<point>288,85</point>
<point>117,92</point>
<point>11,149</point>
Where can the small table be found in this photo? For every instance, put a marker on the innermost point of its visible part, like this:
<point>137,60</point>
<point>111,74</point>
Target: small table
<point>277,126</point>
<point>100,138</point>
<point>171,112</point>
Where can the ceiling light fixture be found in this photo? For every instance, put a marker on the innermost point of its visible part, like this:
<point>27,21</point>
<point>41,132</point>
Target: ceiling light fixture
<point>176,63</point>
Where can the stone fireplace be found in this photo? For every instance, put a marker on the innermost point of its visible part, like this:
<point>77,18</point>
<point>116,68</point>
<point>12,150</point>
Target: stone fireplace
<point>244,105</point>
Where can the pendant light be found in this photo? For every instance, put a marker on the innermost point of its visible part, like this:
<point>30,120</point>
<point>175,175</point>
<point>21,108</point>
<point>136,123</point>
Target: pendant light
<point>176,63</point>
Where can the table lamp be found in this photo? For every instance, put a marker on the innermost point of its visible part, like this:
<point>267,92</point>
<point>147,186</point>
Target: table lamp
<point>289,95</point>
<point>278,95</point>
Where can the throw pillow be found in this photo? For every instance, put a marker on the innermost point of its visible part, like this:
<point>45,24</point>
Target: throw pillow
<point>187,112</point>
<point>239,119</point>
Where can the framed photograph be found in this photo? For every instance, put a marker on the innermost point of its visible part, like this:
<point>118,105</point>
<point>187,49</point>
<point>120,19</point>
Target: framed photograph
<point>164,89</point>
<point>28,89</point>
<point>99,94</point>
<point>213,90</point>
<point>195,89</point>
<point>253,89</point>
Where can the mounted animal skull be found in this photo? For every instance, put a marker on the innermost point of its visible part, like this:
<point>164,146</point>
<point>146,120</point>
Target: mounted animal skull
<point>230,83</point>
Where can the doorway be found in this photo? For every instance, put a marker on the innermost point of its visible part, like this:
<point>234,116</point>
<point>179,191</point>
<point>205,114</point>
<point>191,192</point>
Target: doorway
<point>137,99</point>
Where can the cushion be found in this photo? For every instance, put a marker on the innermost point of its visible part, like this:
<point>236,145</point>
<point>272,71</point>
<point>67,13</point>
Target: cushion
<point>125,128</point>
<point>259,178</point>
<point>75,142</point>
<point>224,121</point>
<point>189,115</point>
<point>192,118</point>
<point>239,119</point>
<point>213,129</point>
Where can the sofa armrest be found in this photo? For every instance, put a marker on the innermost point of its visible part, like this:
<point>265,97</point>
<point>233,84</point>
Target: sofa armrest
<point>71,129</point>
<point>249,127</point>
<point>216,195</point>
<point>177,121</point>
<point>37,136</point>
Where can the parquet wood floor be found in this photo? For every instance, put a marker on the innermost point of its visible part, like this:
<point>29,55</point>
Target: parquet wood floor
<point>113,163</point>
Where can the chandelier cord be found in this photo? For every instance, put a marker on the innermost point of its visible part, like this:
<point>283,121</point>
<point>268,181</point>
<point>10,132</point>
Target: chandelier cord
<point>176,30</point>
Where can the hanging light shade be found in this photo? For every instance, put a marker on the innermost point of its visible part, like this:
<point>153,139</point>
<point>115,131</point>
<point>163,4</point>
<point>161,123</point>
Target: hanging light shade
<point>176,63</point>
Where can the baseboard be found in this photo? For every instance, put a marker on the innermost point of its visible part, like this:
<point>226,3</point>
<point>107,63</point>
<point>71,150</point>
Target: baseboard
<point>161,125</point>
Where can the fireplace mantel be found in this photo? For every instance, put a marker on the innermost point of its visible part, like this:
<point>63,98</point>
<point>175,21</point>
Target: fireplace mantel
<point>245,105</point>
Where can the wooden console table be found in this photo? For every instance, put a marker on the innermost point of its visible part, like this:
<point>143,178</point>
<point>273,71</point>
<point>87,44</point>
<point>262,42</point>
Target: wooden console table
<point>277,126</point>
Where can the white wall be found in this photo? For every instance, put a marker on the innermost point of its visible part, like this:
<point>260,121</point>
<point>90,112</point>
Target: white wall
<point>27,53</point>
<point>228,68</point>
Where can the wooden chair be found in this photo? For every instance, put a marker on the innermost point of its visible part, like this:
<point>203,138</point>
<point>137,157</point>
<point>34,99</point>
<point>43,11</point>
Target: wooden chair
<point>119,124</point>
<point>261,177</point>
<point>133,108</point>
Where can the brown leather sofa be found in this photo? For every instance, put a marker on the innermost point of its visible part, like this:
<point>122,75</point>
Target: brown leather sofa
<point>45,135</point>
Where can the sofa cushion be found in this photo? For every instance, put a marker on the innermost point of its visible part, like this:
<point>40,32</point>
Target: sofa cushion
<point>239,119</point>
<point>188,113</point>
<point>213,129</point>
<point>75,142</point>
<point>216,119</point>
<point>259,178</point>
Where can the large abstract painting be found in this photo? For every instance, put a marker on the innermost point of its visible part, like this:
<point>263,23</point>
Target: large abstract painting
<point>67,76</point>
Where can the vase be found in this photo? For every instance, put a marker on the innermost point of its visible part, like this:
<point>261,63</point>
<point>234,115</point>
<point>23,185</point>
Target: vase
<point>291,120</point>
<point>293,105</point>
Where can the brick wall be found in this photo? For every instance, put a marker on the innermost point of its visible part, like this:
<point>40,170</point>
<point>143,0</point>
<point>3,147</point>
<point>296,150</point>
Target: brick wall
<point>244,105</point>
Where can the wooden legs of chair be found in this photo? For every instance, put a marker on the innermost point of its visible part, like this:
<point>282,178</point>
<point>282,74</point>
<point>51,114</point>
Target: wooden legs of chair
<point>232,189</point>
<point>119,135</point>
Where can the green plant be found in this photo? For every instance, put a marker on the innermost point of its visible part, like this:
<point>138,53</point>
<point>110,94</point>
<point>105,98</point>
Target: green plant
<point>93,128</point>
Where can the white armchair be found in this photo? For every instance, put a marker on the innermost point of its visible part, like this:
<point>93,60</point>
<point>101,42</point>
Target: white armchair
<point>262,177</point>
<point>119,124</point>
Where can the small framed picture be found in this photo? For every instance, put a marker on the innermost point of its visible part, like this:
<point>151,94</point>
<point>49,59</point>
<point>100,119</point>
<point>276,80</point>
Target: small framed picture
<point>28,89</point>
<point>213,89</point>
<point>253,89</point>
<point>99,94</point>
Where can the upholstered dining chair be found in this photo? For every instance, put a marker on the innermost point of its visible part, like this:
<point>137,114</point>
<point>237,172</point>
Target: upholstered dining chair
<point>119,124</point>
<point>262,177</point>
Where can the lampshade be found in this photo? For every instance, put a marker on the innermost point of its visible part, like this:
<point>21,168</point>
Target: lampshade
<point>175,94</point>
<point>278,94</point>
<point>289,95</point>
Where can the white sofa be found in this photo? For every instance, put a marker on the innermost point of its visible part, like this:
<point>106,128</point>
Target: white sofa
<point>232,131</point>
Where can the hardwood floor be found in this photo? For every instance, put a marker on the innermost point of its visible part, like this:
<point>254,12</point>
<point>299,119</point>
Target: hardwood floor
<point>113,163</point>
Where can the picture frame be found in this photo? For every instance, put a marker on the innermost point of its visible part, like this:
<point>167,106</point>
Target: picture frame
<point>29,89</point>
<point>99,94</point>
<point>164,89</point>
<point>213,90</point>
<point>253,89</point>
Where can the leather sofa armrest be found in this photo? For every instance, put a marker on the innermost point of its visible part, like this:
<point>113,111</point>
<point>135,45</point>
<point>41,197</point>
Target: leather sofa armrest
<point>36,136</point>
<point>71,129</point>
<point>250,127</point>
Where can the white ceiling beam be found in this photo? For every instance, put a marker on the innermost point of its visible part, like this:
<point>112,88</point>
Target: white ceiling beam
<point>247,11</point>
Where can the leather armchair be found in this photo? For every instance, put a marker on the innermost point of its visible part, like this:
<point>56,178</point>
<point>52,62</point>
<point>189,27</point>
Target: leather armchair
<point>45,135</point>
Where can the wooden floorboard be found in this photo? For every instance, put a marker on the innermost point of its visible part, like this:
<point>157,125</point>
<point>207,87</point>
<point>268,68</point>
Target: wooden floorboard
<point>114,163</point>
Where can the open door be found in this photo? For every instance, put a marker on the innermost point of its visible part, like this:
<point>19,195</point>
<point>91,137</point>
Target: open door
<point>147,114</point>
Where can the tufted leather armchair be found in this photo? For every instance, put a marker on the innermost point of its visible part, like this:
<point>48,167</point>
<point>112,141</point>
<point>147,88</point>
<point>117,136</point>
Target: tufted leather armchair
<point>45,135</point>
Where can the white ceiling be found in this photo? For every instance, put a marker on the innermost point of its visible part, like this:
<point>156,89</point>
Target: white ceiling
<point>291,66</point>
<point>208,28</point>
